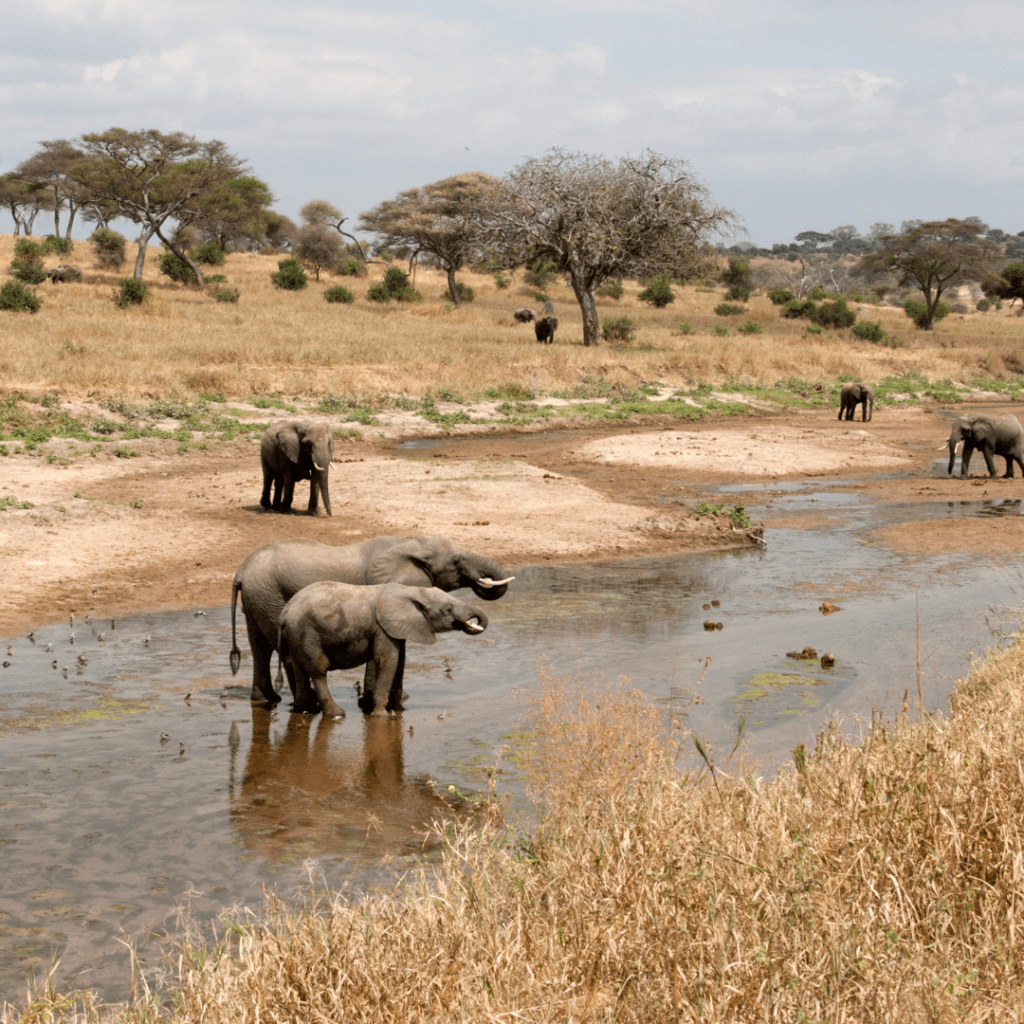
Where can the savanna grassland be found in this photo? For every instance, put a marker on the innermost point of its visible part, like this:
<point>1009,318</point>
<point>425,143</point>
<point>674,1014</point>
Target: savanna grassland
<point>875,879</point>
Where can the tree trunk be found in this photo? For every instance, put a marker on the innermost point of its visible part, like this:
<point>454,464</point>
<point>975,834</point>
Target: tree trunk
<point>71,218</point>
<point>140,259</point>
<point>453,289</point>
<point>29,220</point>
<point>56,212</point>
<point>588,306</point>
<point>183,255</point>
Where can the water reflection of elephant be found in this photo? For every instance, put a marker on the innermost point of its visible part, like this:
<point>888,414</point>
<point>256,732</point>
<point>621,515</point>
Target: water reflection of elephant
<point>325,786</point>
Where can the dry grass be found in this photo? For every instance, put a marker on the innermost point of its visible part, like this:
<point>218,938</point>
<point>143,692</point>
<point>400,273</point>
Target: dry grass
<point>182,343</point>
<point>872,881</point>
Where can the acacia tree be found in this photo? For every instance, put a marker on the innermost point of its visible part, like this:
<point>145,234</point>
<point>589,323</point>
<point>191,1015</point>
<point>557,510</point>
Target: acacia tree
<point>153,178</point>
<point>319,211</point>
<point>234,212</point>
<point>441,219</point>
<point>24,200</point>
<point>48,169</point>
<point>596,220</point>
<point>934,255</point>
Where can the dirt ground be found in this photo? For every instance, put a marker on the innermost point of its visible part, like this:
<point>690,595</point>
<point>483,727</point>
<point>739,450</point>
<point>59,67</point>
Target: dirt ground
<point>164,531</point>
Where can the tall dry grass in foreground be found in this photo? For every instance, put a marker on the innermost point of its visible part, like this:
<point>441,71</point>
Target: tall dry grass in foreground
<point>872,881</point>
<point>182,343</point>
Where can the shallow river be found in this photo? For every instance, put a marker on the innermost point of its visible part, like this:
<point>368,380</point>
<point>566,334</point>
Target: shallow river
<point>122,798</point>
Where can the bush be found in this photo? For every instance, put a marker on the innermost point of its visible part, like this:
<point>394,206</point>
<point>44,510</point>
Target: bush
<point>14,296</point>
<point>720,329</point>
<point>349,266</point>
<point>339,293</point>
<point>726,309</point>
<point>540,273</point>
<point>395,285</point>
<point>214,278</point>
<point>814,328</point>
<point>226,294</point>
<point>466,293</point>
<point>27,265</point>
<point>210,253</point>
<point>983,305</point>
<point>129,292</point>
<point>61,246</point>
<point>835,314</point>
<point>750,327</point>
<point>918,312</point>
<point>737,273</point>
<point>176,269</point>
<point>378,292</point>
<point>289,275</point>
<point>611,289</point>
<point>658,293</point>
<point>687,328</point>
<point>959,307</point>
<point>540,297</point>
<point>108,246</point>
<point>817,294</point>
<point>780,296</point>
<point>869,331</point>
<point>502,281</point>
<point>618,329</point>
<point>738,293</point>
<point>797,308</point>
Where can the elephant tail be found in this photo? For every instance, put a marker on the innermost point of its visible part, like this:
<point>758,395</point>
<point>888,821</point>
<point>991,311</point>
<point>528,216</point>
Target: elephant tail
<point>236,654</point>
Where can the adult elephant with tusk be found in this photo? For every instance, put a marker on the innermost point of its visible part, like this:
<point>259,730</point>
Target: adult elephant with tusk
<point>296,450</point>
<point>331,625</point>
<point>992,435</point>
<point>274,573</point>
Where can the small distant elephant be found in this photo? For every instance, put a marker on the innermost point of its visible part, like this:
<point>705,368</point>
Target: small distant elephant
<point>331,625</point>
<point>296,450</point>
<point>523,316</point>
<point>851,395</point>
<point>544,328</point>
<point>992,435</point>
<point>64,272</point>
<point>549,308</point>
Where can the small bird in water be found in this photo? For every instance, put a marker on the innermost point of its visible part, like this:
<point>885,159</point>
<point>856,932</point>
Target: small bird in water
<point>54,662</point>
<point>164,738</point>
<point>48,648</point>
<point>100,637</point>
<point>72,638</point>
<point>197,614</point>
<point>181,750</point>
<point>146,641</point>
<point>188,695</point>
<point>31,635</point>
<point>82,660</point>
<point>71,619</point>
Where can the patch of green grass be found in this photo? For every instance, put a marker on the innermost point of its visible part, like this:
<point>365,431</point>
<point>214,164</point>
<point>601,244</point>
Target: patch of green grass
<point>125,453</point>
<point>352,408</point>
<point>9,501</point>
<point>511,391</point>
<point>264,402</point>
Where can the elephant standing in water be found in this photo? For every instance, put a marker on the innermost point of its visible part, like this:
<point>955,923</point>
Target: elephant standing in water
<point>332,625</point>
<point>274,573</point>
<point>296,450</point>
<point>851,395</point>
<point>992,435</point>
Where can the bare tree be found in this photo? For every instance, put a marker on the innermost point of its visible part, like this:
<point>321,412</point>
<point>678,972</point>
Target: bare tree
<point>441,219</point>
<point>935,255</point>
<point>595,220</point>
<point>48,169</point>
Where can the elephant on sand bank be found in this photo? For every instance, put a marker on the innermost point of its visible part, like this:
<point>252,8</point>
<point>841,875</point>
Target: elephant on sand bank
<point>851,396</point>
<point>992,435</point>
<point>296,450</point>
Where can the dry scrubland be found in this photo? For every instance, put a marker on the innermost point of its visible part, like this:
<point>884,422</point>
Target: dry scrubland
<point>878,881</point>
<point>183,344</point>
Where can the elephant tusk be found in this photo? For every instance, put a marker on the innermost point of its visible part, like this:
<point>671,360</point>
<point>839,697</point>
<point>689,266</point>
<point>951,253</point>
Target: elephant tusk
<point>319,469</point>
<point>486,581</point>
<point>474,626</point>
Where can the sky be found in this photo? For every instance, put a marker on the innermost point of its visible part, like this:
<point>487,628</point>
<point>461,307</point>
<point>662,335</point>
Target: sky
<point>797,115</point>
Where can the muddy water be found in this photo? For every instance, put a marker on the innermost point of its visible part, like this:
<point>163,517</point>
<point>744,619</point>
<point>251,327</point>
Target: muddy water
<point>136,778</point>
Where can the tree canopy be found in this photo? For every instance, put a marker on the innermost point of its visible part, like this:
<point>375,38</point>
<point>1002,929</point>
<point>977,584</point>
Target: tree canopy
<point>596,219</point>
<point>935,255</point>
<point>441,219</point>
<point>48,169</point>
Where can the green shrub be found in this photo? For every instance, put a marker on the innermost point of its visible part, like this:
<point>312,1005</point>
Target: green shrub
<point>108,246</point>
<point>814,328</point>
<point>210,253</point>
<point>61,246</point>
<point>780,296</point>
<point>378,292</point>
<point>226,295</point>
<point>983,305</point>
<point>618,329</point>
<point>339,293</point>
<point>687,328</point>
<point>395,285</point>
<point>289,275</point>
<point>738,293</point>
<point>540,273</point>
<point>214,278</point>
<point>737,273</point>
<point>797,308</point>
<point>835,314</point>
<point>27,265</point>
<point>14,296</point>
<point>869,331</point>
<point>176,269</point>
<point>466,293</point>
<point>720,330</point>
<point>918,312</point>
<point>129,292</point>
<point>540,297</point>
<point>658,292</point>
<point>502,281</point>
<point>349,266</point>
<point>817,294</point>
<point>726,309</point>
<point>750,327</point>
<point>611,289</point>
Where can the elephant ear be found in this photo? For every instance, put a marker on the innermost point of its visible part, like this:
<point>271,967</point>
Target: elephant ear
<point>982,430</point>
<point>288,439</point>
<point>402,616</point>
<point>400,563</point>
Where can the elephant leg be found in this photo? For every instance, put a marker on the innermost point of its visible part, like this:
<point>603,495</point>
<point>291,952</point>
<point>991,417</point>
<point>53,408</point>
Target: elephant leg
<point>379,681</point>
<point>965,458</point>
<point>306,701</point>
<point>289,492</point>
<point>278,489</point>
<point>262,649</point>
<point>864,411</point>
<point>989,461</point>
<point>268,479</point>
<point>330,709</point>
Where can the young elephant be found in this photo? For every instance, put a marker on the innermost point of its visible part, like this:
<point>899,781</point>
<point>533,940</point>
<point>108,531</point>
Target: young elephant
<point>993,435</point>
<point>545,329</point>
<point>331,625</point>
<point>851,395</point>
<point>296,450</point>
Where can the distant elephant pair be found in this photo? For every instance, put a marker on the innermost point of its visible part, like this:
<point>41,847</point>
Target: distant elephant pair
<point>854,394</point>
<point>64,272</point>
<point>991,435</point>
<point>296,450</point>
<point>273,574</point>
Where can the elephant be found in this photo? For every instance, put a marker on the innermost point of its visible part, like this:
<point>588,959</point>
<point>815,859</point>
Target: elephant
<point>544,328</point>
<point>523,316</point>
<point>296,450</point>
<point>274,573</point>
<point>549,308</point>
<point>851,395</point>
<point>993,435</point>
<point>330,625</point>
<point>64,272</point>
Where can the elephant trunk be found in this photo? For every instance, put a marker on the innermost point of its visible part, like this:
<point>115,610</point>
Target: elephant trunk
<point>476,622</point>
<point>323,488</point>
<point>487,578</point>
<point>953,442</point>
